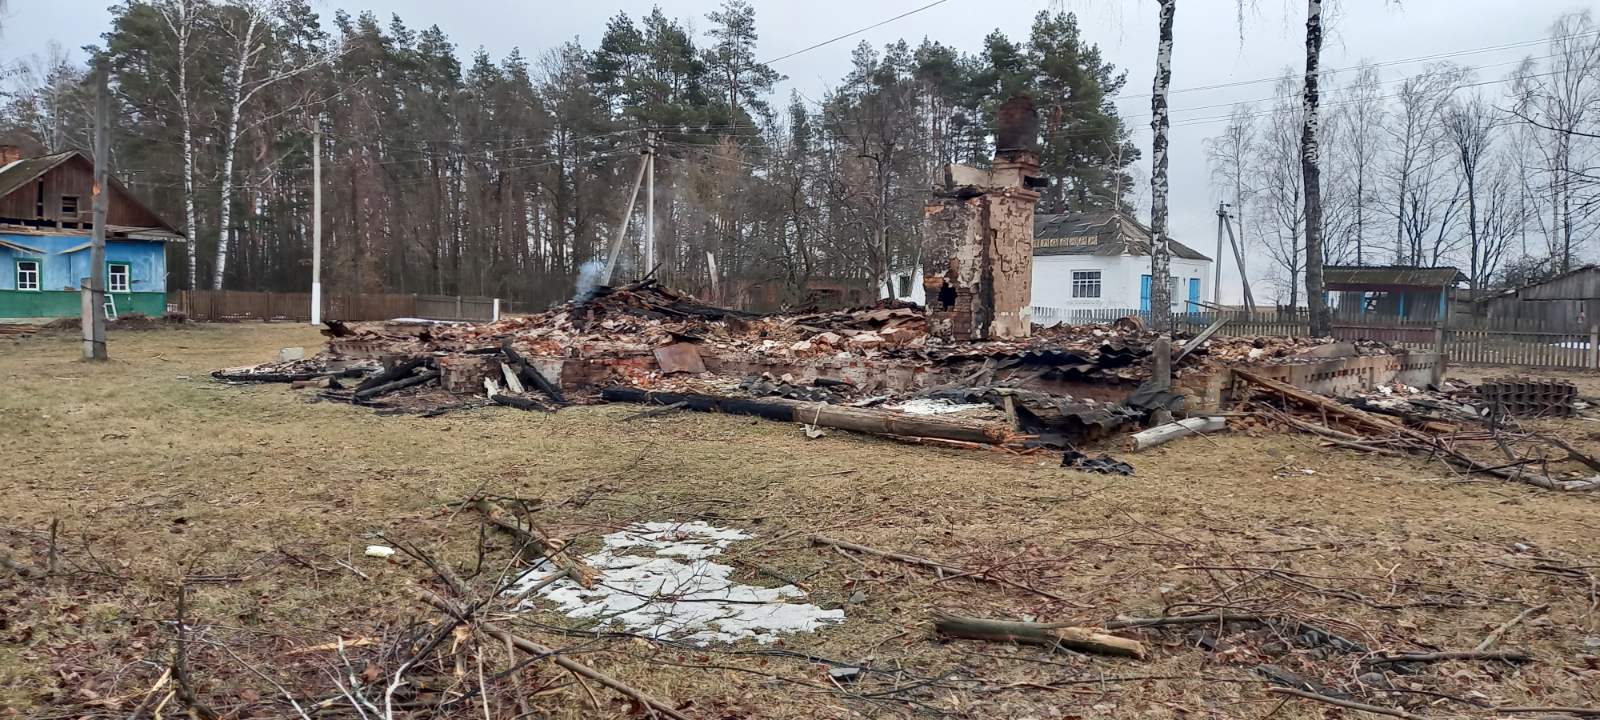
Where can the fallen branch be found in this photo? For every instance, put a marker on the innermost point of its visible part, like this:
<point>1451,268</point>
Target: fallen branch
<point>1212,619</point>
<point>1499,632</point>
<point>1348,704</point>
<point>938,567</point>
<point>1055,637</point>
<point>652,412</point>
<point>520,403</point>
<point>1520,710</point>
<point>553,548</point>
<point>1506,655</point>
<point>539,651</point>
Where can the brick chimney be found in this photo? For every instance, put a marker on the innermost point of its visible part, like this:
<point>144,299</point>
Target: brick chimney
<point>977,237</point>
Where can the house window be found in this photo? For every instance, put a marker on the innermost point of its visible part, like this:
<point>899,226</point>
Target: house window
<point>69,205</point>
<point>27,274</point>
<point>905,285</point>
<point>117,277</point>
<point>1086,283</point>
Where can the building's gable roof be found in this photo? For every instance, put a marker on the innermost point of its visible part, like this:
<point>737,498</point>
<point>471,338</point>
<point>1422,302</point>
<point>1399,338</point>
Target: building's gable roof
<point>18,174</point>
<point>1105,232</point>
<point>22,173</point>
<point>1401,275</point>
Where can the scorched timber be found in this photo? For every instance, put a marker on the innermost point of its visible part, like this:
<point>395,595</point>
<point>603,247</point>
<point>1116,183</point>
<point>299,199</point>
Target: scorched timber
<point>865,420</point>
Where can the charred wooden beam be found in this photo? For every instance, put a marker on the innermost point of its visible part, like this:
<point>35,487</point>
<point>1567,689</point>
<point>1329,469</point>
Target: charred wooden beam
<point>398,371</point>
<point>401,384</point>
<point>531,375</point>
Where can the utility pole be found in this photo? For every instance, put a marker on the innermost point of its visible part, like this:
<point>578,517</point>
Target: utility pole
<point>1238,257</point>
<point>650,204</point>
<point>93,315</point>
<point>1216,285</point>
<point>316,224</point>
<point>622,224</point>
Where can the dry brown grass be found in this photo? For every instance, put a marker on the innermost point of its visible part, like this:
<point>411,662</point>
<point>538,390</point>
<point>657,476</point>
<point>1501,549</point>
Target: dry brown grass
<point>156,469</point>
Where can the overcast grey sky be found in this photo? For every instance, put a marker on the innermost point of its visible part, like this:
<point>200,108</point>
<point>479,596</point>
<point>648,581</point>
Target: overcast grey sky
<point>1209,50</point>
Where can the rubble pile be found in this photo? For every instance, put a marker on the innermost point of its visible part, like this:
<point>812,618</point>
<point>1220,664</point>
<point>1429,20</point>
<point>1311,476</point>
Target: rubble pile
<point>1064,383</point>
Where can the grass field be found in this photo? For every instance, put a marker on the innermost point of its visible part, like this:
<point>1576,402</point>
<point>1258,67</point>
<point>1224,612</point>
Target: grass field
<point>255,498</point>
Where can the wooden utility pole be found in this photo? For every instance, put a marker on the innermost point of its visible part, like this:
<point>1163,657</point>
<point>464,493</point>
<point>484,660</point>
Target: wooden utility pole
<point>316,224</point>
<point>650,206</point>
<point>93,315</point>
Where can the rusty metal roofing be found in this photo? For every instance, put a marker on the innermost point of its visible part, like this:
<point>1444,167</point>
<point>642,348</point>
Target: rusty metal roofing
<point>1105,232</point>
<point>1397,275</point>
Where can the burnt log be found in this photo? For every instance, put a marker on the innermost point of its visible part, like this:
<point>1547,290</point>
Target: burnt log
<point>864,420</point>
<point>401,384</point>
<point>397,371</point>
<point>520,403</point>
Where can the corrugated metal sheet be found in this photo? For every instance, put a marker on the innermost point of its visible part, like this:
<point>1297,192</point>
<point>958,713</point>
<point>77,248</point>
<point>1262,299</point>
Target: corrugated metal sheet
<point>1394,275</point>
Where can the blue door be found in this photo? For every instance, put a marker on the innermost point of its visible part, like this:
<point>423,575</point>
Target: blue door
<point>1194,296</point>
<point>1144,293</point>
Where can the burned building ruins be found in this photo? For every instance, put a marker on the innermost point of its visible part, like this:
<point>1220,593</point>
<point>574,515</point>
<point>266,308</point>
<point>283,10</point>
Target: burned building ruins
<point>977,247</point>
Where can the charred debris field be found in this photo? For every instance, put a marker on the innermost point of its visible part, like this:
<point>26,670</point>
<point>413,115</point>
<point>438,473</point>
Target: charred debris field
<point>182,546</point>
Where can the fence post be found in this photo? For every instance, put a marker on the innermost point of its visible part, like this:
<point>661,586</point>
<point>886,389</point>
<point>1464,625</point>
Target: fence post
<point>458,307</point>
<point>496,316</point>
<point>1594,347</point>
<point>1438,348</point>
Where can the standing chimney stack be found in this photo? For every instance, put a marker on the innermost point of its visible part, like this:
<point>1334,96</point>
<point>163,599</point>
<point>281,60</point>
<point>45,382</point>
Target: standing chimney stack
<point>977,240</point>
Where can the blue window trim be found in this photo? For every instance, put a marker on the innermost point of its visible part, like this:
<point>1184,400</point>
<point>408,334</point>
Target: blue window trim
<point>38,264</point>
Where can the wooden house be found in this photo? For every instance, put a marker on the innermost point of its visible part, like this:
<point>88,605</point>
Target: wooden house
<point>46,222</point>
<point>1568,300</point>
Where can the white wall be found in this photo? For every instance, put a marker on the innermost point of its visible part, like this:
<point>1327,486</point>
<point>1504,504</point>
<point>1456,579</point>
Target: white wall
<point>911,277</point>
<point>1119,282</point>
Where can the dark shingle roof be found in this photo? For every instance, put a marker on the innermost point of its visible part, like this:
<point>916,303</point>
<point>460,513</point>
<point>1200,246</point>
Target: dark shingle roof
<point>1390,275</point>
<point>1104,232</point>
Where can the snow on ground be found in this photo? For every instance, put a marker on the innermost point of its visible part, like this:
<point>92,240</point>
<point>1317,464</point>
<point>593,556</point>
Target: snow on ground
<point>657,580</point>
<point>934,406</point>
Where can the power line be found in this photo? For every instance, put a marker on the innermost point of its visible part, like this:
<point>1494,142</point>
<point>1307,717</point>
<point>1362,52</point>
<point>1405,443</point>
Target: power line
<point>1385,63</point>
<point>853,33</point>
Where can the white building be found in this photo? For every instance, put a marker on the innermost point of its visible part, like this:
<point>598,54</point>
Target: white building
<point>1096,266</point>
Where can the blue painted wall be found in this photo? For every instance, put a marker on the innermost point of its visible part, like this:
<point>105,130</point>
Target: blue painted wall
<point>147,261</point>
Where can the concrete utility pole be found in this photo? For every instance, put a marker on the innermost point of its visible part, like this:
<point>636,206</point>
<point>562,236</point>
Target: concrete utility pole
<point>650,205</point>
<point>622,224</point>
<point>316,224</point>
<point>93,315</point>
<point>1216,285</point>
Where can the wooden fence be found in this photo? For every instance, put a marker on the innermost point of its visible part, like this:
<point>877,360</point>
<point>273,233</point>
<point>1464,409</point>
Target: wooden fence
<point>1463,340</point>
<point>221,305</point>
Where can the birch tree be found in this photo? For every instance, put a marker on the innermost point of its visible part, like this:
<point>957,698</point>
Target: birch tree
<point>1561,100</point>
<point>1280,200</point>
<point>1310,158</point>
<point>1361,111</point>
<point>250,28</point>
<point>181,18</point>
<point>1160,253</point>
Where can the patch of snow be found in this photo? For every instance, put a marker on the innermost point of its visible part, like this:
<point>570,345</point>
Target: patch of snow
<point>932,406</point>
<point>674,590</point>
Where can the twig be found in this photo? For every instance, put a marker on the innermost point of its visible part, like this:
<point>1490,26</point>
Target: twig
<point>1517,709</point>
<point>1494,637</point>
<point>926,562</point>
<point>1349,704</point>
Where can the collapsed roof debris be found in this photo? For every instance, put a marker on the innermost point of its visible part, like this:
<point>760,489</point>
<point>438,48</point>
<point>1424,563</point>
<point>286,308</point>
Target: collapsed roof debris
<point>879,370</point>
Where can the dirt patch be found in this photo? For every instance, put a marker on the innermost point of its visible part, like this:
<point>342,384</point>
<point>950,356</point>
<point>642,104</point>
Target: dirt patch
<point>259,501</point>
